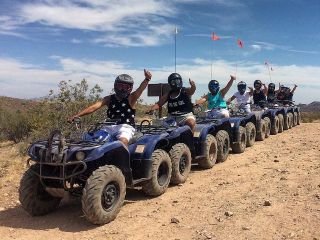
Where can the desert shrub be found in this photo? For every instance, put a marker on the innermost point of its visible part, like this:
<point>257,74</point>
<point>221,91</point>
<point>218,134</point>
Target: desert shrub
<point>309,117</point>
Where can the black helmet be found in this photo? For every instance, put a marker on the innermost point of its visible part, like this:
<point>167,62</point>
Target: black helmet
<point>242,86</point>
<point>175,81</point>
<point>271,87</point>
<point>214,87</point>
<point>257,84</point>
<point>123,85</point>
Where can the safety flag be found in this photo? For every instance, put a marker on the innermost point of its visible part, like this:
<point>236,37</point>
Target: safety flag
<point>240,43</point>
<point>214,37</point>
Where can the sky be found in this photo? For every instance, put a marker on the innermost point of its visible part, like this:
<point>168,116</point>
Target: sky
<point>45,41</point>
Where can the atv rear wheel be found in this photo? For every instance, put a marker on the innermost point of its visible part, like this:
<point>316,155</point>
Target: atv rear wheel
<point>251,134</point>
<point>103,195</point>
<point>268,126</point>
<point>286,122</point>
<point>281,122</point>
<point>275,126</point>
<point>211,150</point>
<point>181,163</point>
<point>160,174</point>
<point>223,142</point>
<point>240,145</point>
<point>299,118</point>
<point>295,119</point>
<point>33,196</point>
<point>263,129</point>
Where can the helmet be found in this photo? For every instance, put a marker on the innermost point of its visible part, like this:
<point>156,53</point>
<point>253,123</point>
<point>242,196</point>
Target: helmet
<point>175,81</point>
<point>271,87</point>
<point>214,87</point>
<point>257,84</point>
<point>123,85</point>
<point>242,86</point>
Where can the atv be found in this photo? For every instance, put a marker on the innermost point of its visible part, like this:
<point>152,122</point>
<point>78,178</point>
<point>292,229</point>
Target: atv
<point>97,167</point>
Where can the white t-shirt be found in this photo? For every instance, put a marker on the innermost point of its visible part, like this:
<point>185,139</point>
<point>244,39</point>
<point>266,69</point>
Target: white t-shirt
<point>243,99</point>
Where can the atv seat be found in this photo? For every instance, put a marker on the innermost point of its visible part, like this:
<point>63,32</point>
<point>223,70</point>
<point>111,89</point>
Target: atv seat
<point>135,137</point>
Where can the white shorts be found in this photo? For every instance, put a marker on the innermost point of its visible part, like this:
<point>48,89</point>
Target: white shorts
<point>181,120</point>
<point>121,131</point>
<point>219,113</point>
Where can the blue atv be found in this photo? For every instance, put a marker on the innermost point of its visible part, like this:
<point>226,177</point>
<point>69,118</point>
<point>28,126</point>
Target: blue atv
<point>176,141</point>
<point>98,168</point>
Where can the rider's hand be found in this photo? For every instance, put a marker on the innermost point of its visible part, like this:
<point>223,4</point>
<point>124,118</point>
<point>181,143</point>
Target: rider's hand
<point>295,85</point>
<point>147,74</point>
<point>233,77</point>
<point>191,82</point>
<point>250,88</point>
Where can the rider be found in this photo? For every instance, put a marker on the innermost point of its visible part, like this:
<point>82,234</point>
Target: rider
<point>285,94</point>
<point>215,98</point>
<point>242,96</point>
<point>272,93</point>
<point>259,95</point>
<point>179,105</point>
<point>121,106</point>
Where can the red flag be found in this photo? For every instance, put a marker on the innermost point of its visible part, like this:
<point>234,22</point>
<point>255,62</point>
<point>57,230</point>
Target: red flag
<point>240,43</point>
<point>214,37</point>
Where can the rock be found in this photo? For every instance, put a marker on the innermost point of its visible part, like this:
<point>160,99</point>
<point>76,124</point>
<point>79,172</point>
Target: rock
<point>228,214</point>
<point>317,196</point>
<point>245,228</point>
<point>175,220</point>
<point>174,201</point>
<point>6,194</point>
<point>275,156</point>
<point>267,203</point>
<point>191,182</point>
<point>283,178</point>
<point>219,219</point>
<point>276,160</point>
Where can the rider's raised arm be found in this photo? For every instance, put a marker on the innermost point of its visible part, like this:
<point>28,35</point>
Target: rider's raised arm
<point>191,90</point>
<point>251,91</point>
<point>228,86</point>
<point>92,108</point>
<point>265,89</point>
<point>137,93</point>
<point>202,100</point>
<point>294,88</point>
<point>231,99</point>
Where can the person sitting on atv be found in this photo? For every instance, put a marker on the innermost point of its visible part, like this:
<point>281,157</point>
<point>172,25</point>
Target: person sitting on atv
<point>272,93</point>
<point>121,106</point>
<point>180,108</point>
<point>242,96</point>
<point>259,95</point>
<point>285,94</point>
<point>215,97</point>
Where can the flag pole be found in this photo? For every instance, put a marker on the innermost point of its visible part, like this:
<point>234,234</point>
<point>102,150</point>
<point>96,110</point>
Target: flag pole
<point>211,59</point>
<point>175,49</point>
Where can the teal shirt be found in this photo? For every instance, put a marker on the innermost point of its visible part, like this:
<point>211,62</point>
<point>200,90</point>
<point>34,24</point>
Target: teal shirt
<point>216,101</point>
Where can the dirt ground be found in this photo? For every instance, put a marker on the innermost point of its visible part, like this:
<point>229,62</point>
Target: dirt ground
<point>283,171</point>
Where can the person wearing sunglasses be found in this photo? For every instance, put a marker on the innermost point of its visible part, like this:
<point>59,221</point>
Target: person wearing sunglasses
<point>121,106</point>
<point>215,98</point>
<point>180,108</point>
<point>259,95</point>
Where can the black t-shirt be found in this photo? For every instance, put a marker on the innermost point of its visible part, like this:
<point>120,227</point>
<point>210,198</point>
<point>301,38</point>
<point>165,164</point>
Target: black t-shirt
<point>258,97</point>
<point>271,97</point>
<point>182,103</point>
<point>121,109</point>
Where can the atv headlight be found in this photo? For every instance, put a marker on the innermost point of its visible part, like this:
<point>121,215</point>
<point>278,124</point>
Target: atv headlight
<point>140,148</point>
<point>80,156</point>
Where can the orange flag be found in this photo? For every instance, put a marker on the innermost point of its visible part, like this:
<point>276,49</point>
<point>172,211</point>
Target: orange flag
<point>214,37</point>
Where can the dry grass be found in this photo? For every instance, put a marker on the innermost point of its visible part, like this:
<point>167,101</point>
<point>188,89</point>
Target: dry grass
<point>309,117</point>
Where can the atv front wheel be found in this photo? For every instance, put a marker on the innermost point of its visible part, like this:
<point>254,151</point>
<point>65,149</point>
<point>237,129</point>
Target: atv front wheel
<point>33,196</point>
<point>223,142</point>
<point>104,194</point>
<point>295,119</point>
<point>160,174</point>
<point>263,129</point>
<point>275,126</point>
<point>181,163</point>
<point>240,145</point>
<point>290,115</point>
<point>268,126</point>
<point>251,134</point>
<point>281,123</point>
<point>211,150</point>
